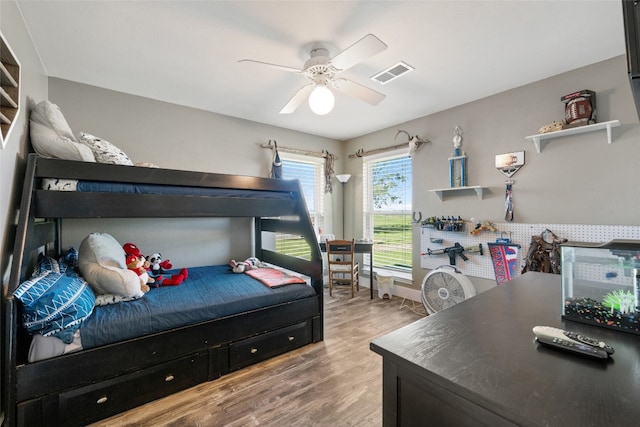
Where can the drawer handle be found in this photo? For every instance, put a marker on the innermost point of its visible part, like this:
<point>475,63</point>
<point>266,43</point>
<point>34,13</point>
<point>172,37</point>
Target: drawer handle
<point>291,338</point>
<point>169,378</point>
<point>254,350</point>
<point>103,399</point>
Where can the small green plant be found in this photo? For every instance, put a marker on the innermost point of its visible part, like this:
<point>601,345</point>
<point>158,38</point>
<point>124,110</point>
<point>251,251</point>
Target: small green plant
<point>620,300</point>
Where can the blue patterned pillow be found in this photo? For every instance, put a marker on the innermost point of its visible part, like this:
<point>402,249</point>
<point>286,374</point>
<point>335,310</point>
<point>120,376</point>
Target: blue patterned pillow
<point>55,304</point>
<point>46,263</point>
<point>71,258</point>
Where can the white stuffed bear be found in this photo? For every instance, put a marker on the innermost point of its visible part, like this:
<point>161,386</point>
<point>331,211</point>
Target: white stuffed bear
<point>247,264</point>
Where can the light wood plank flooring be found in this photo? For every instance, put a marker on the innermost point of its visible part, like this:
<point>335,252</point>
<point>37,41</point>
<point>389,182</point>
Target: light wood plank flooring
<point>337,382</point>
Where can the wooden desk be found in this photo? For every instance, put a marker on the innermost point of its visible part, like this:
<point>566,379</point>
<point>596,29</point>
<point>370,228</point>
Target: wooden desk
<point>477,363</point>
<point>361,248</point>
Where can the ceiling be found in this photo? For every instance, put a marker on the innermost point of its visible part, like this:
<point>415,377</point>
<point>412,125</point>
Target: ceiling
<point>187,52</point>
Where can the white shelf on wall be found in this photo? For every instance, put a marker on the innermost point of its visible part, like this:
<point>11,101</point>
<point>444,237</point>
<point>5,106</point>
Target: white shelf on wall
<point>537,139</point>
<point>442,191</point>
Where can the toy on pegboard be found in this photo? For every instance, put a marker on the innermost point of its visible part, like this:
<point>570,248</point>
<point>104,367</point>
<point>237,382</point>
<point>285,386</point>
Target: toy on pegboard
<point>450,223</point>
<point>457,250</point>
<point>482,226</point>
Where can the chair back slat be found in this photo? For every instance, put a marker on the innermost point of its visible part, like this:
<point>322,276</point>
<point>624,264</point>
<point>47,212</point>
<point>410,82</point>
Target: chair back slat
<point>342,265</point>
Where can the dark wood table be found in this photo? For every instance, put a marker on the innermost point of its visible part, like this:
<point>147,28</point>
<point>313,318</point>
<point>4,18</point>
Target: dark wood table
<point>361,248</point>
<point>477,363</point>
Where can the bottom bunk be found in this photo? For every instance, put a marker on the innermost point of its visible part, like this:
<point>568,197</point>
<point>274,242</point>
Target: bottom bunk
<point>79,388</point>
<point>89,357</point>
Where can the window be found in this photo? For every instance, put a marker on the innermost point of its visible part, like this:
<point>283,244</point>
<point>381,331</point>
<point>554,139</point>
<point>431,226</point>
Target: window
<point>311,177</point>
<point>387,209</point>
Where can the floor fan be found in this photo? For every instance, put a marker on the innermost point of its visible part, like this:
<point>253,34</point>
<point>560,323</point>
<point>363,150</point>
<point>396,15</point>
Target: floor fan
<point>444,287</point>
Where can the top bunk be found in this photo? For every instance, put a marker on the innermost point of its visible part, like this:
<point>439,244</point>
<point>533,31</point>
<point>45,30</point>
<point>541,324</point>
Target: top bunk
<point>117,191</point>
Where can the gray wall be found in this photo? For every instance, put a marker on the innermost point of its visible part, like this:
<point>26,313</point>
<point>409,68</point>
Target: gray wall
<point>33,86</point>
<point>574,180</point>
<point>577,179</point>
<point>177,137</point>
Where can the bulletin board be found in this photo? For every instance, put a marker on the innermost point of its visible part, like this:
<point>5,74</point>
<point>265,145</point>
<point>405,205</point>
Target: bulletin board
<point>481,266</point>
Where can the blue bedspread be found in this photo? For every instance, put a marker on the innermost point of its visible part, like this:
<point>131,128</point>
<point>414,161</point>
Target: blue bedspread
<point>208,293</point>
<point>176,190</point>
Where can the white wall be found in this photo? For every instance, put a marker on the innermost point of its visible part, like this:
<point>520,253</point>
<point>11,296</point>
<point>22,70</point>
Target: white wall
<point>574,180</point>
<point>33,85</point>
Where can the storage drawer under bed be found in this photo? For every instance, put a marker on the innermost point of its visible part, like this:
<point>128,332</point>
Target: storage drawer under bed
<point>93,402</point>
<point>252,350</point>
<point>97,401</point>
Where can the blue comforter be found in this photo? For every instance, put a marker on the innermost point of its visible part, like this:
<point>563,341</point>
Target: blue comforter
<point>208,293</point>
<point>176,190</point>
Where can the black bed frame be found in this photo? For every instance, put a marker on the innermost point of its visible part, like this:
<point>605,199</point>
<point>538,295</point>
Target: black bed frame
<point>79,388</point>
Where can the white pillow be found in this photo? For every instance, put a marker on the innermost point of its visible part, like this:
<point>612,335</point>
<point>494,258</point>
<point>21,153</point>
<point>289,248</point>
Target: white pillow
<point>101,260</point>
<point>104,151</point>
<point>51,135</point>
<point>49,114</point>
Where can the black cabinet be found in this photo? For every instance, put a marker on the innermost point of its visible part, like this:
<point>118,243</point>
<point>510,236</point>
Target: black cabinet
<point>477,363</point>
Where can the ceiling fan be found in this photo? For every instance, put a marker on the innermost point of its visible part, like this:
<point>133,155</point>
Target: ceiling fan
<point>323,72</point>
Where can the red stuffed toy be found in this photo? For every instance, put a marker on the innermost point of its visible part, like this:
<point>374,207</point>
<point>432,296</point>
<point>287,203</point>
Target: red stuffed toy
<point>132,250</point>
<point>136,264</point>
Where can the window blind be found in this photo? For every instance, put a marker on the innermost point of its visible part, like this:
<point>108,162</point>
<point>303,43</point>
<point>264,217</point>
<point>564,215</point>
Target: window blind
<point>388,209</point>
<point>311,177</point>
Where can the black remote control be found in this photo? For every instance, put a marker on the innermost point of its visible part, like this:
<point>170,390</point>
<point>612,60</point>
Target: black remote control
<point>572,341</point>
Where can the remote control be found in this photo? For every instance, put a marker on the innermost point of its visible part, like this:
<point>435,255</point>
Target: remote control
<point>572,341</point>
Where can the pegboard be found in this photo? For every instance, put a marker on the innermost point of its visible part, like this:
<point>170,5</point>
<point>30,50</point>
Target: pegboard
<point>481,266</point>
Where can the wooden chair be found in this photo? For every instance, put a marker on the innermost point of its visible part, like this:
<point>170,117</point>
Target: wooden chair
<point>342,266</point>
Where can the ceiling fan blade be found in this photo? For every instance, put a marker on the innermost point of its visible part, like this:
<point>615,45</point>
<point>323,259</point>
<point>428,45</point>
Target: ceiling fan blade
<point>358,91</point>
<point>276,66</point>
<point>364,48</point>
<point>297,99</point>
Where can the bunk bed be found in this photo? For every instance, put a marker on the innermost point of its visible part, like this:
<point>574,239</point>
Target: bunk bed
<point>80,387</point>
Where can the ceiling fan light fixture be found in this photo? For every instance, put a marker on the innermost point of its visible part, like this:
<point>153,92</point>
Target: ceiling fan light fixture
<point>321,100</point>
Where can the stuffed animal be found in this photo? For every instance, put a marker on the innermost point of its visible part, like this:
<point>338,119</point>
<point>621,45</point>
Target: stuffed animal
<point>157,265</point>
<point>247,264</point>
<point>136,264</point>
<point>131,249</point>
<point>176,279</point>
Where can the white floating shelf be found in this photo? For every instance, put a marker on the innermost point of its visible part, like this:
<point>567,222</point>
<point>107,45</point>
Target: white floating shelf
<point>537,139</point>
<point>442,191</point>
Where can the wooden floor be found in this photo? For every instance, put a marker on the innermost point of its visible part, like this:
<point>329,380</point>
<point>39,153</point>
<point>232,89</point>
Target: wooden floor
<point>336,382</point>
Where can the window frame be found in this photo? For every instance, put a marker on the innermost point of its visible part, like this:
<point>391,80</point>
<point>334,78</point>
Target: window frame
<point>318,214</point>
<point>368,211</point>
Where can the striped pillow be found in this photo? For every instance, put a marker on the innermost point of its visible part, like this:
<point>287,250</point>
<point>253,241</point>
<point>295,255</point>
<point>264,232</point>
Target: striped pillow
<point>55,304</point>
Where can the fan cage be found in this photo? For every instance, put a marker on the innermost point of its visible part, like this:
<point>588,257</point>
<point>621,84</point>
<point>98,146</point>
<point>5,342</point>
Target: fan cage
<point>445,287</point>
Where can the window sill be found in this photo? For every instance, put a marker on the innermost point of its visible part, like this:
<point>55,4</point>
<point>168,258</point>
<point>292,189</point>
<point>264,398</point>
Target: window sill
<point>398,276</point>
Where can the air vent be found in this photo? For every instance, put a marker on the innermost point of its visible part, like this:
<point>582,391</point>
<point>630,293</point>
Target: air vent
<point>392,73</point>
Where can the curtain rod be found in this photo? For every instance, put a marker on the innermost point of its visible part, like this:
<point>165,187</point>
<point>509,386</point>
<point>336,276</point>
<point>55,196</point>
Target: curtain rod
<point>362,153</point>
<point>322,154</point>
<point>414,143</point>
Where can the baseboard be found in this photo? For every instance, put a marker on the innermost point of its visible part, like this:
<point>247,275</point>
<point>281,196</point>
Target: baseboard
<point>398,291</point>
